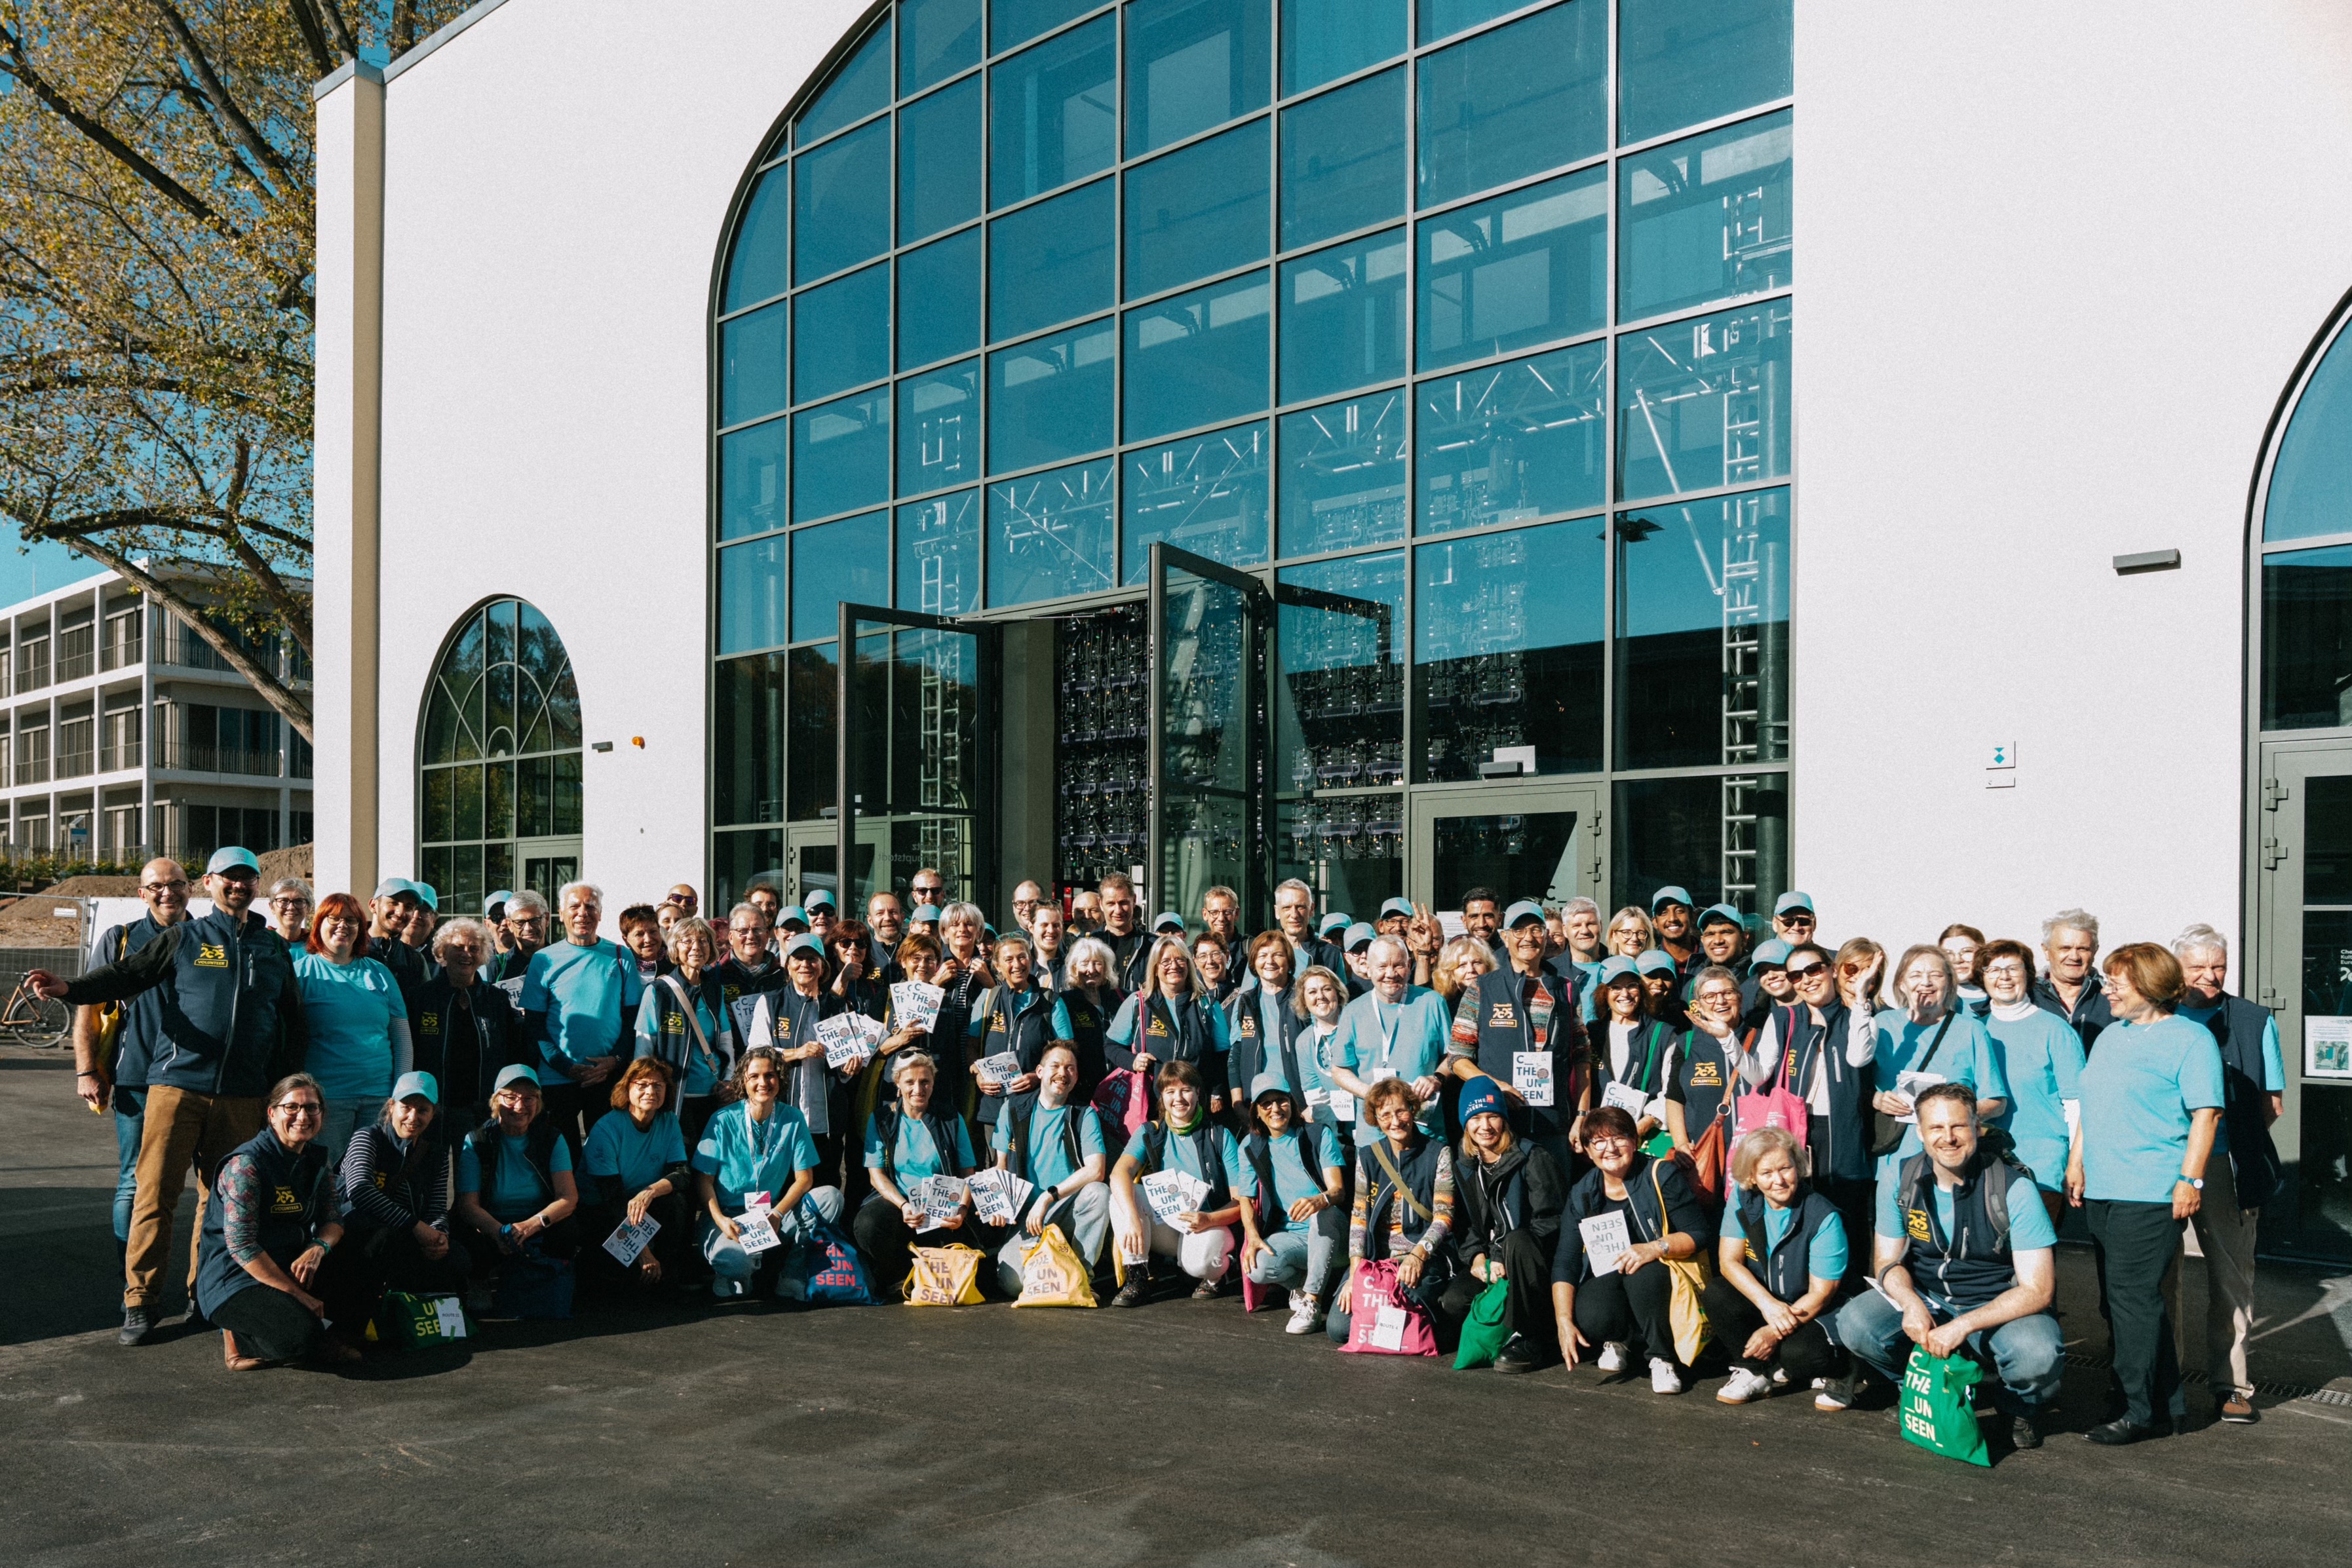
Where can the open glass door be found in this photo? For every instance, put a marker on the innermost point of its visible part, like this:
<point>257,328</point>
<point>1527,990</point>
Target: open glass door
<point>1524,840</point>
<point>1208,734</point>
<point>914,752</point>
<point>2305,910</point>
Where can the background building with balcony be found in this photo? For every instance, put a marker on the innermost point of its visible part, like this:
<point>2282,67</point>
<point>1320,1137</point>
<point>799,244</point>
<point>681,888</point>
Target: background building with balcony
<point>123,734</point>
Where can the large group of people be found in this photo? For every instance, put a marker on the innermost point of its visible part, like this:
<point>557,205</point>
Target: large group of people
<point>1631,1135</point>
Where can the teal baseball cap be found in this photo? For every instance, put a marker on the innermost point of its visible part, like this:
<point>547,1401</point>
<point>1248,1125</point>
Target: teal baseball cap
<point>417,1086</point>
<point>1669,894</point>
<point>1522,912</point>
<point>1359,936</point>
<point>804,942</point>
<point>516,1072</point>
<point>1619,969</point>
<point>233,858</point>
<point>1721,915</point>
<point>1336,920</point>
<point>1770,954</point>
<point>792,914</point>
<point>426,896</point>
<point>1792,900</point>
<point>1657,961</point>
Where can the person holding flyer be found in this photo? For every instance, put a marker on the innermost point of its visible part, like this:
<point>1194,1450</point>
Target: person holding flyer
<point>755,1174</point>
<point>1633,1054</point>
<point>1319,997</point>
<point>637,1171</point>
<point>1172,1189</point>
<point>1517,1028</point>
<point>1015,1020</point>
<point>1623,1215</point>
<point>1404,1209</point>
<point>1052,1143</point>
<point>1291,1226</point>
<point>912,1143</point>
<point>1930,1038</point>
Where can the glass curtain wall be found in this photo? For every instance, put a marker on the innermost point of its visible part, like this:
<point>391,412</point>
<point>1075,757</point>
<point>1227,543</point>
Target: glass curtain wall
<point>1466,323</point>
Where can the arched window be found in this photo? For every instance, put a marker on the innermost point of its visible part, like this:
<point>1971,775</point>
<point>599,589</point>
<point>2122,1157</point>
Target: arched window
<point>499,759</point>
<point>2307,558</point>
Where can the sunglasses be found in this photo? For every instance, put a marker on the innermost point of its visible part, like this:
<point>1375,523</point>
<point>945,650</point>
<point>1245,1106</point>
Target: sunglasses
<point>1799,971</point>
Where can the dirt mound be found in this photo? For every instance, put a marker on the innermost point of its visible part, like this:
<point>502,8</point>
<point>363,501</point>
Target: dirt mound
<point>294,860</point>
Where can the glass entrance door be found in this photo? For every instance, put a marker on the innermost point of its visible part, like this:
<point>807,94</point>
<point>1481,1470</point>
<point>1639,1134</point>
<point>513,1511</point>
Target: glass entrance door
<point>548,864</point>
<point>1524,840</point>
<point>813,854</point>
<point>1208,743</point>
<point>914,752</point>
<point>2303,864</point>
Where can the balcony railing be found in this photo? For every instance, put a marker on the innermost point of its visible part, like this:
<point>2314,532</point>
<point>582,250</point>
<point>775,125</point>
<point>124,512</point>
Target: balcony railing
<point>74,764</point>
<point>33,667</point>
<point>183,647</point>
<point>33,770</point>
<point>112,758</point>
<point>191,759</point>
<point>74,666</point>
<point>120,655</point>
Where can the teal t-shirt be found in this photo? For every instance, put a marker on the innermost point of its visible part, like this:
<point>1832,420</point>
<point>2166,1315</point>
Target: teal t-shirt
<point>742,1155</point>
<point>1375,1041</point>
<point>2138,1089</point>
<point>1049,1154</point>
<point>2041,1060</point>
<point>701,1073</point>
<point>519,1191</point>
<point>618,1146</point>
<point>350,1008</point>
<point>916,1156</point>
<point>2274,1064</point>
<point>1293,1156</point>
<point>1183,1156</point>
<point>587,994</point>
<point>1825,1257</point>
<point>1966,1057</point>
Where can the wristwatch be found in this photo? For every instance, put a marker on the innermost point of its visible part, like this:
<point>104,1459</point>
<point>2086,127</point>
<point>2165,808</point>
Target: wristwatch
<point>2196,1182</point>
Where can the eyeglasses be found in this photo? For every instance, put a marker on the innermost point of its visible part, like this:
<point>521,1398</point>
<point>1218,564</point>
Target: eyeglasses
<point>301,1108</point>
<point>162,887</point>
<point>288,901</point>
<point>1799,971</point>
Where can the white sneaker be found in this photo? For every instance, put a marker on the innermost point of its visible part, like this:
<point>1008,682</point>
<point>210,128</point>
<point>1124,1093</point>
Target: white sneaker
<point>1304,1318</point>
<point>1613,1356</point>
<point>1663,1378</point>
<point>1742,1386</point>
<point>1780,1377</point>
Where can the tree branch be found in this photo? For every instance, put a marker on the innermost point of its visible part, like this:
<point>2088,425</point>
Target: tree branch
<point>306,22</point>
<point>251,139</point>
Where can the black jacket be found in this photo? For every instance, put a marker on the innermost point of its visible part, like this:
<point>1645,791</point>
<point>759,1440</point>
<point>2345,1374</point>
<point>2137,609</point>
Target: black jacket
<point>1646,1222</point>
<point>462,1038</point>
<point>232,1021</point>
<point>1524,1190</point>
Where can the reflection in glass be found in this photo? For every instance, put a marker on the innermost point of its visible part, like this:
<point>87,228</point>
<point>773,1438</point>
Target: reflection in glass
<point>1704,402</point>
<point>1102,667</point>
<point>1519,270</point>
<point>1052,535</point>
<point>1705,218</point>
<point>1323,41</point>
<point>841,454</point>
<point>751,480</point>
<point>1052,262</point>
<point>1051,397</point>
<point>1343,483</point>
<point>856,90</point>
<point>1206,495</point>
<point>937,38</point>
<point>751,596</point>
<point>2307,638</point>
<point>841,334</point>
<point>939,161</point>
<point>1052,113</point>
<point>1513,442</point>
<point>841,202</point>
<point>1011,21</point>
<point>1208,680</point>
<point>939,429</point>
<point>939,300</point>
<point>938,554</point>
<point>1537,854</point>
<point>1200,210</point>
<point>751,365</point>
<point>848,562</point>
<point>747,740</point>
<point>1515,101</point>
<point>1192,64</point>
<point>1507,630</point>
<point>1343,317</point>
<point>1703,633</point>
<point>1338,717</point>
<point>1443,18</point>
<point>1196,358</point>
<point>1343,160</point>
<point>1725,839</point>
<point>934,718</point>
<point>759,266</point>
<point>1684,62</point>
<point>737,861</point>
<point>812,704</point>
<point>2311,482</point>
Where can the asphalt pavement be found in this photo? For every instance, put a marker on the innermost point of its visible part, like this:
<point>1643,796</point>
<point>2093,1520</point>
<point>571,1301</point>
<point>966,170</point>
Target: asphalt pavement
<point>1181,1433</point>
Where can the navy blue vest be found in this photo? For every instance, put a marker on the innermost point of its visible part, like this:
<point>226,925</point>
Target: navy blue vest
<point>1787,1272</point>
<point>298,1193</point>
<point>2238,1030</point>
<point>1507,1026</point>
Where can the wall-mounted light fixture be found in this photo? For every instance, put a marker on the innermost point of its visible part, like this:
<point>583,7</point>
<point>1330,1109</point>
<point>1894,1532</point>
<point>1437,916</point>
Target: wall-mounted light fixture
<point>2148,560</point>
<point>602,746</point>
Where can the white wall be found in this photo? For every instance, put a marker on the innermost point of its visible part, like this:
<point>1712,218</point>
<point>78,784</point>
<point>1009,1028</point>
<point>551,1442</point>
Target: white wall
<point>557,178</point>
<point>2055,264</point>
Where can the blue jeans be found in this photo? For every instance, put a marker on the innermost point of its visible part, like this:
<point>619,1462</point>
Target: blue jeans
<point>2027,1354</point>
<point>1299,1261</point>
<point>129,1126</point>
<point>341,1123</point>
<point>732,1269</point>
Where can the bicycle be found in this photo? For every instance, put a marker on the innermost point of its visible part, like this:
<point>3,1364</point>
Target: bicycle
<point>33,1020</point>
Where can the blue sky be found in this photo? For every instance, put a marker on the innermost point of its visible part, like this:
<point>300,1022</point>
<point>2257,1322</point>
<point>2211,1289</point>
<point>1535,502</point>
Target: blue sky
<point>47,566</point>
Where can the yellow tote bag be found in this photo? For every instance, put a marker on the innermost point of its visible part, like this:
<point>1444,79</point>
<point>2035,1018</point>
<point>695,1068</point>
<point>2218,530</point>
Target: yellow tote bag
<point>1684,1307</point>
<point>1053,1275</point>
<point>944,1277</point>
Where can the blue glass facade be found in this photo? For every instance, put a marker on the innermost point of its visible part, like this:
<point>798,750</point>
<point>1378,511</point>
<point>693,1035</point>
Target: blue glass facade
<point>1487,300</point>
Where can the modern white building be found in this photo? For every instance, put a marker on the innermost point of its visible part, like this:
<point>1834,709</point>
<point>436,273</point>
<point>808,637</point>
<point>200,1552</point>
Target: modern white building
<point>1574,444</point>
<point>127,736</point>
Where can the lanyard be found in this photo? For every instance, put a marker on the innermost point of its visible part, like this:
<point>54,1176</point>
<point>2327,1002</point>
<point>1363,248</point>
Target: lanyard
<point>763,1148</point>
<point>1388,1028</point>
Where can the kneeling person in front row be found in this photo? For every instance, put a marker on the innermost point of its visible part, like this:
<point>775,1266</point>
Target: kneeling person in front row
<point>1057,1146</point>
<point>1781,1255</point>
<point>1292,1227</point>
<point>1181,1138</point>
<point>1405,1210</point>
<point>1626,1306</point>
<point>1964,1257</point>
<point>268,1224</point>
<point>1511,1191</point>
<point>907,1143</point>
<point>756,1155</point>
<point>516,1192</point>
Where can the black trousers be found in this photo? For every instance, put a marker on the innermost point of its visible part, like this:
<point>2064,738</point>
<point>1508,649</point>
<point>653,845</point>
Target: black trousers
<point>1803,1355</point>
<point>1631,1308</point>
<point>672,1246</point>
<point>366,1264</point>
<point>269,1323</point>
<point>1526,1295</point>
<point>2140,1244</point>
<point>884,1239</point>
<point>560,1240</point>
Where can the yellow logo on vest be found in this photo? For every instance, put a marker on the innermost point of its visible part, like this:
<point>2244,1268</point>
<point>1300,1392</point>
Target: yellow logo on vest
<point>285,1202</point>
<point>1504,1017</point>
<point>428,1023</point>
<point>211,955</point>
<point>1706,1076</point>
<point>1159,1027</point>
<point>1915,1223</point>
<point>673,1023</point>
<point>1750,1248</point>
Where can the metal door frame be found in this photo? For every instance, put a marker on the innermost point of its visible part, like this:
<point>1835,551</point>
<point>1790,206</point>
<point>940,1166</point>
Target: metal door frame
<point>1501,797</point>
<point>1257,864</point>
<point>851,616</point>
